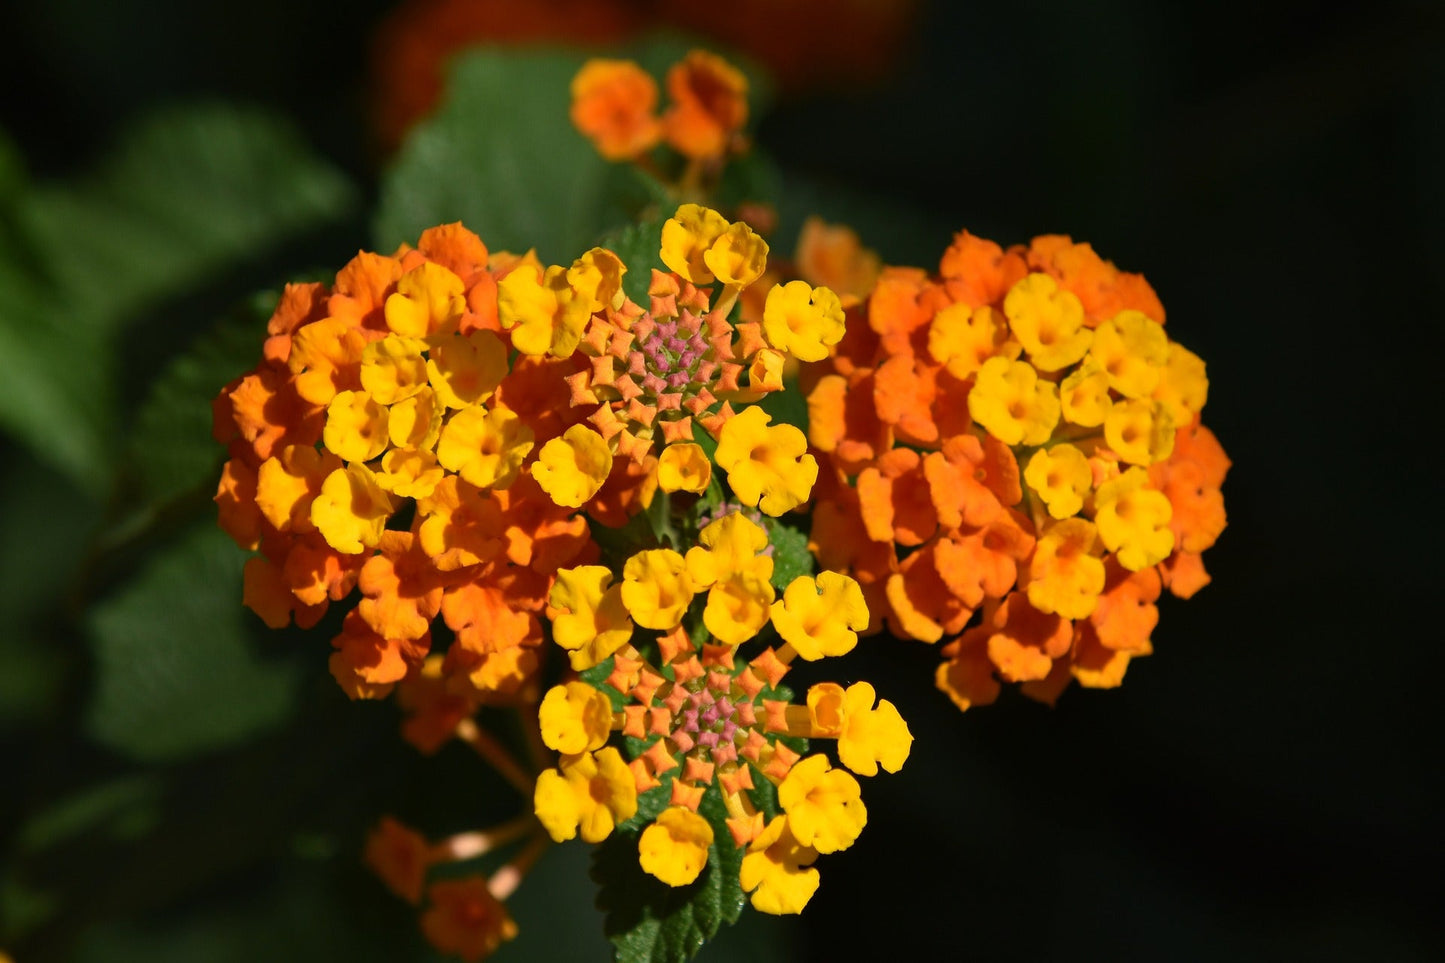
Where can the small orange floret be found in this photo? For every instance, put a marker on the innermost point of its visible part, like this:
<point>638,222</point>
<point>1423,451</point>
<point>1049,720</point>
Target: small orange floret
<point>614,104</point>
<point>709,105</point>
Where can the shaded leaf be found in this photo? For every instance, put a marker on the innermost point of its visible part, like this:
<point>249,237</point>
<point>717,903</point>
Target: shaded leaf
<point>501,156</point>
<point>647,920</point>
<point>638,246</point>
<point>177,670</point>
<point>791,557</point>
<point>171,450</point>
<point>186,194</point>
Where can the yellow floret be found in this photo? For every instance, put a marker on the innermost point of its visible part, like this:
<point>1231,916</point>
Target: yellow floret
<point>572,469</point>
<point>1060,475</point>
<point>575,718</point>
<point>356,426</point>
<point>428,299</point>
<point>588,792</point>
<point>1012,403</point>
<point>352,509</point>
<point>588,617</point>
<point>544,314</point>
<point>683,467</point>
<point>1065,575</point>
<point>393,368</point>
<point>1140,432</point>
<point>823,617</point>
<point>824,805</point>
<point>775,870</point>
<point>686,238</point>
<point>1133,520</point>
<point>1130,349</point>
<point>1048,322</point>
<point>1084,396</point>
<point>767,467</point>
<point>738,256</point>
<point>802,320</point>
<point>465,371</point>
<point>485,446</point>
<point>656,588</point>
<point>674,848</point>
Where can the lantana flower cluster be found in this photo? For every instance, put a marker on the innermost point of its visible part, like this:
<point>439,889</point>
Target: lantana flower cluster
<point>439,430</point>
<point>700,717</point>
<point>1014,464</point>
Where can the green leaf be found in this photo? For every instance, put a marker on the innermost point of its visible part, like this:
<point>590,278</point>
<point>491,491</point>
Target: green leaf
<point>120,808</point>
<point>787,407</point>
<point>791,557</point>
<point>501,156</point>
<point>171,450</point>
<point>638,245</point>
<point>177,671</point>
<point>55,382</point>
<point>651,922</point>
<point>186,194</point>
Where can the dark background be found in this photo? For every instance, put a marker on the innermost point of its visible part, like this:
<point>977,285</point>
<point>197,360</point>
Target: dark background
<point>1256,789</point>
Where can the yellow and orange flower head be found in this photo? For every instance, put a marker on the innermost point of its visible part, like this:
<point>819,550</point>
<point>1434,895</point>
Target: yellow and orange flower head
<point>378,397</point>
<point>1020,464</point>
<point>703,712</point>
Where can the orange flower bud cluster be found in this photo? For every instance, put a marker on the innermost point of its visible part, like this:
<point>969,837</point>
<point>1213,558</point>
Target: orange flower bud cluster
<point>1013,463</point>
<point>614,104</point>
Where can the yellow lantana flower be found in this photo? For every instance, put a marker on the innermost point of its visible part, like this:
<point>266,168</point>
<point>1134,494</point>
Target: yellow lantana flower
<point>428,299</point>
<point>575,718</point>
<point>465,371</point>
<point>572,469</point>
<point>588,792</point>
<point>767,467</point>
<point>1012,403</point>
<point>1131,349</point>
<point>588,617</point>
<point>1133,520</point>
<point>867,737</point>
<point>393,368</point>
<point>416,422</point>
<point>824,805</point>
<point>409,473</point>
<point>1048,322</point>
<point>738,256</point>
<point>683,467</point>
<point>287,483</point>
<point>352,509</point>
<point>356,426</point>
<point>656,588</point>
<point>963,338</point>
<point>1140,431</point>
<point>545,315</point>
<point>1066,576</point>
<point>775,870</point>
<point>1061,477</point>
<point>729,566</point>
<point>485,446</point>
<point>686,238</point>
<point>802,320</point>
<point>597,276</point>
<point>1084,396</point>
<point>1183,387</point>
<point>823,617</point>
<point>674,848</point>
